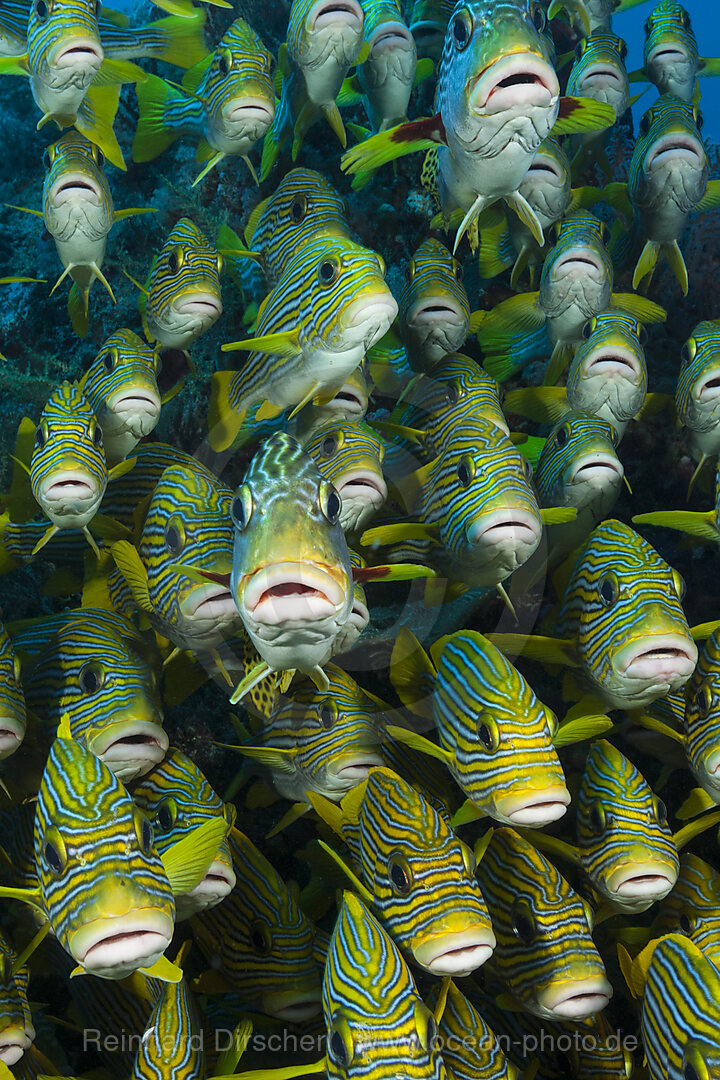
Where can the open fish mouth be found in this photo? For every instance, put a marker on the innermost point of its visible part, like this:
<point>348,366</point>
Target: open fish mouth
<point>596,78</point>
<point>580,261</point>
<point>369,317</point>
<point>391,37</point>
<point>545,170</point>
<point>292,592</point>
<point>577,999</point>
<point>517,80</point>
<point>14,1041</point>
<point>218,882</point>
<point>209,601</point>
<point>436,310</point>
<point>130,749</point>
<point>12,733</point>
<point>537,809</point>
<point>132,402</point>
<point>670,53</point>
<point>349,402</point>
<point>75,188</point>
<point>616,362</point>
<point>456,954</point>
<point>662,658</point>
<point>336,13</point>
<point>83,52</point>
<point>708,389</point>
<point>117,945</point>
<point>678,146</point>
<point>600,470</point>
<point>506,528</point>
<point>354,768</point>
<point>202,305</point>
<point>70,485</point>
<point>292,1006</point>
<point>365,485</point>
<point>643,883</point>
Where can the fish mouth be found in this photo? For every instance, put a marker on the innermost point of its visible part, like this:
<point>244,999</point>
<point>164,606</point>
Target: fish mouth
<point>544,169</point>
<point>677,146</point>
<point>456,954</point>
<point>292,592</point>
<point>535,810</point>
<point>292,1006</point>
<point>78,486</point>
<point>428,36</point>
<point>511,527</point>
<point>600,77</point>
<point>365,485</point>
<point>204,305</point>
<point>356,767</point>
<point>672,53</point>
<point>708,390</point>
<point>436,310</point>
<point>661,657</point>
<point>133,750</point>
<point>391,37</point>
<point>616,361</point>
<point>578,261</point>
<point>113,947</point>
<point>14,1041</point>
<point>600,470</point>
<point>83,51</point>
<point>12,733</point>
<point>336,13</point>
<point>251,110</point>
<point>349,402</point>
<point>75,188</point>
<point>369,317</point>
<point>579,999</point>
<point>643,882</point>
<point>218,882</point>
<point>517,80</point>
<point>209,601</point>
<point>132,402</point>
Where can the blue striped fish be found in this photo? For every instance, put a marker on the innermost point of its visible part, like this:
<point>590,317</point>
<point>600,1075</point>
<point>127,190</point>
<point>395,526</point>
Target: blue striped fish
<point>414,872</point>
<point>177,798</point>
<point>328,308</point>
<point>17,1032</point>
<point>172,1042</point>
<point>470,1049</point>
<point>599,72</point>
<point>258,942</point>
<point>544,954</point>
<point>350,456</point>
<point>697,402</point>
<point>13,718</point>
<point>13,27</point>
<point>428,20</point>
<point>122,390</point>
<point>702,702</point>
<point>620,627</point>
<point>434,311</point>
<point>693,907</point>
<point>182,299</point>
<point>670,53</point>
<point>226,100</point>
<point>377,1025</point>
<point>323,42</point>
<point>94,667</point>
<point>495,736</point>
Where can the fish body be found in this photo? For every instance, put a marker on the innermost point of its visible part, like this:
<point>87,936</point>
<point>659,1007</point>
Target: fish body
<point>545,954</point>
<point>479,1057</point>
<point>692,906</point>
<point>13,717</point>
<point>121,388</point>
<point>670,53</point>
<point>599,73</point>
<point>171,1044</point>
<point>702,700</point>
<point>434,311</point>
<point>350,455</point>
<point>385,78</point>
<point>183,297</point>
<point>17,1032</point>
<point>697,402</point>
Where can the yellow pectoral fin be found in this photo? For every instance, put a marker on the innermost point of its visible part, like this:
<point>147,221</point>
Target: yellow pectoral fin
<point>187,861</point>
<point>165,970</point>
<point>419,743</point>
<point>285,344</point>
<point>364,892</point>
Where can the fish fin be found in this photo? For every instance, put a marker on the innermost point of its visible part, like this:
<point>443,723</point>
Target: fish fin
<point>183,38</point>
<point>581,114</point>
<point>404,530</point>
<point>350,92</point>
<point>711,198</point>
<point>108,529</point>
<point>47,535</point>
<point>334,119</point>
<point>77,310</point>
<point>224,422</point>
<point>551,845</point>
<point>617,195</point>
<point>118,71</point>
<point>547,650</point>
<point>286,343</point>
<point>646,263</point>
<point>635,984</point>
<point>328,811</point>
<point>14,65</point>
<point>253,677</point>
<point>695,828</point>
<point>697,802</point>
<point>318,678</point>
<point>153,134</point>
<point>227,1061</point>
<point>655,403</point>
<point>492,256</point>
<point>131,211</point>
<point>20,502</point>
<point>395,143</point>
<point>466,813</point>
<point>398,431</point>
<point>511,318</point>
<point>272,758</point>
<point>412,670</point>
<point>558,515</point>
<point>215,160</point>
<point>560,357</point>
<point>91,541</point>
<point>363,890</point>
<point>651,723</point>
<point>296,811</point>
<point>33,897</point>
<point>186,862</point>
<point>546,404</point>
<point>703,630</point>
<point>686,521</point>
<point>527,215</point>
<point>418,742</point>
<point>644,310</point>
<point>25,210</point>
<point>133,570</point>
<point>121,468</point>
<point>469,224</point>
<point>674,256</point>
<point>195,74</point>
<point>392,572</point>
<point>572,7</point>
<point>95,121</point>
<point>581,728</point>
<point>164,970</point>
<point>268,410</point>
<point>582,198</point>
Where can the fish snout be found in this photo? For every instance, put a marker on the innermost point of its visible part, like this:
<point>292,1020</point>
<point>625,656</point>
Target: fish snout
<point>519,80</point>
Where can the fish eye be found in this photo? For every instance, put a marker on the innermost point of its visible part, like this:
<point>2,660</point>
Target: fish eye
<point>166,815</point>
<point>488,734</point>
<point>685,19</point>
<point>579,49</point>
<point>241,508</point>
<point>48,157</point>
<point>410,271</point>
<point>42,9</point>
<point>457,269</point>
<point>330,502</point>
<point>175,535</point>
<point>466,470</point>
<point>522,921</point>
<point>589,915</point>
<point>597,817</point>
<point>399,873</point>
<point>689,349</point>
<point>225,62</point>
<point>91,677</point>
<point>679,585</point>
<point>642,334</point>
<point>340,1047</point>
<point>538,18</point>
<point>299,209</point>
<point>328,271</point>
<point>42,433</point>
<point>648,25</point>
<point>609,590</point>
<point>462,29</point>
<point>261,938</point>
<point>54,851</point>
<point>452,394</point>
<point>588,328</point>
<point>110,359</point>
<point>328,446</point>
<point>220,263</point>
<point>604,232</point>
<point>644,125</point>
<point>98,8</point>
<point>685,924</point>
<point>659,811</point>
<point>527,468</point>
<point>380,265</point>
<point>96,435</point>
<point>622,49</point>
<point>17,668</point>
<point>702,702</point>
<point>328,715</point>
<point>552,722</point>
<point>698,118</point>
<point>694,1064</point>
<point>144,831</point>
<point>176,259</point>
<point>562,435</point>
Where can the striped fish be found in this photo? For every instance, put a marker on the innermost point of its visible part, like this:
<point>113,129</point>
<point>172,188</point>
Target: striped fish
<point>495,736</point>
<point>17,1032</point>
<point>702,702</point>
<point>68,474</point>
<point>323,42</point>
<point>122,390</point>
<point>182,299</point>
<point>667,181</point>
<point>434,311</point>
<point>258,942</point>
<point>599,72</point>
<point>414,872</point>
<point>13,27</point>
<point>470,1049</point>
<point>384,80</point>
<point>350,456</point>
<point>377,1024</point>
<point>349,403</point>
<point>544,954</point>
<point>670,53</point>
<point>693,907</point>
<point>227,101</point>
<point>13,718</point>
<point>328,308</point>
<point>620,627</point>
<point>172,1042</point>
<point>177,798</point>
<point>697,402</point>
<point>96,668</point>
<point>428,20</point>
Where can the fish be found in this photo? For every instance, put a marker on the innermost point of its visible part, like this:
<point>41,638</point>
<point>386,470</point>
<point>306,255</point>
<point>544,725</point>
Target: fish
<point>545,955</point>
<point>486,132</point>
<point>122,390</point>
<point>376,1020</point>
<point>78,212</point>
<point>227,100</point>
<point>172,1040</point>
<point>258,941</point>
<point>692,906</point>
<point>328,308</point>
<point>607,377</point>
<point>349,403</point>
<point>102,887</point>
<point>697,712</point>
<point>13,714</point>
<point>670,53</point>
<point>96,668</point>
<point>350,456</point>
<point>176,797</point>
<point>495,736</point>
<point>620,627</point>
<point>428,20</point>
<point>703,525</point>
<point>415,874</point>
<point>434,310</point>
<point>323,42</point>
<point>591,14</point>
<point>668,180</point>
<point>696,400</point>
<point>478,1056</point>
<point>13,28</point>
<point>17,1032</point>
<point>599,72</point>
<point>576,284</point>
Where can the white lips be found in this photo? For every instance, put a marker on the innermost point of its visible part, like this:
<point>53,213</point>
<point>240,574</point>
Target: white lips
<point>436,310</point>
<point>202,304</point>
<point>336,13</point>
<point>363,484</point>
<point>709,389</point>
<point>535,811</point>
<point>209,601</point>
<point>391,37</point>
<point>75,187</point>
<point>251,109</point>
<point>292,592</point>
<point>14,1041</point>
<point>134,402</point>
<point>83,52</point>
<point>660,657</point>
<point>581,260</point>
<point>677,146</point>
<point>519,79</point>
<point>70,485</point>
<point>505,527</point>
<point>618,361</point>
<point>597,469</point>
<point>649,884</point>
<point>587,996</point>
<point>455,954</point>
<point>113,947</point>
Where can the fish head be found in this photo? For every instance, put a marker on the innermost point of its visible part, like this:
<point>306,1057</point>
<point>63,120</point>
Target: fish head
<point>669,155</point>
<point>324,39</point>
<point>608,373</point>
<point>547,183</point>
<point>76,194</point>
<point>291,575</point>
<point>697,396</point>
<point>692,906</point>
<point>434,311</point>
<point>625,843</point>
<point>387,75</point>
<point>350,456</point>
<point>599,70</point>
<point>68,474</point>
<point>702,708</point>
<point>65,53</point>
<point>428,22</point>
<point>103,886</point>
<point>670,52</point>
<point>17,1032</point>
<point>578,465</point>
<point>122,389</point>
<point>13,718</point>
<point>184,298</point>
<point>238,89</point>
<point>578,271</point>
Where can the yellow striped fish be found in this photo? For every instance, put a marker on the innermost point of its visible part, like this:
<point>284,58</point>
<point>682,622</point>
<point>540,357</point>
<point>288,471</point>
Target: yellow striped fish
<point>599,72</point>
<point>697,402</point>
<point>171,1044</point>
<point>470,1049</point>
<point>17,1032</point>
<point>693,907</point>
<point>13,718</point>
<point>670,53</point>
<point>434,310</point>
<point>350,456</point>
